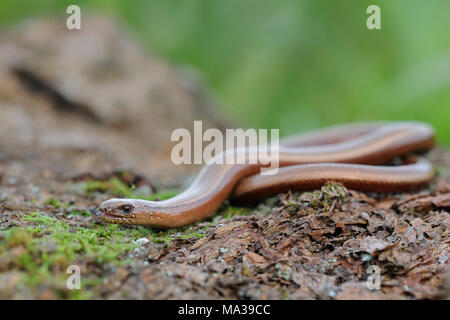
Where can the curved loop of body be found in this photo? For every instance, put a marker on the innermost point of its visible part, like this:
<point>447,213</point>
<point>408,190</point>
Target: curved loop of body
<point>350,154</point>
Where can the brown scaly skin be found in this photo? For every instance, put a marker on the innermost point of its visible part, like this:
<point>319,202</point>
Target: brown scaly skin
<point>352,152</point>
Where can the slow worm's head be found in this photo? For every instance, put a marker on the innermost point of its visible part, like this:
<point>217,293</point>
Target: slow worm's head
<point>123,211</point>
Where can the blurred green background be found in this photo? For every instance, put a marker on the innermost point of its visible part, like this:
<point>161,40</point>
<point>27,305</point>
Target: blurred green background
<point>296,65</point>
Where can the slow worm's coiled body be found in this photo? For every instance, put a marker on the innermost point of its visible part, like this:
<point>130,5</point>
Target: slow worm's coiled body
<point>349,154</point>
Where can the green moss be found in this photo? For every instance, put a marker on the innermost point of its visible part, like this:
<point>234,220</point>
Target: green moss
<point>113,185</point>
<point>167,236</point>
<point>317,200</point>
<point>79,213</point>
<point>48,246</point>
<point>334,190</point>
<point>442,171</point>
<point>119,188</point>
<point>53,202</point>
<point>42,219</point>
<point>323,198</point>
<point>230,211</point>
<point>80,294</point>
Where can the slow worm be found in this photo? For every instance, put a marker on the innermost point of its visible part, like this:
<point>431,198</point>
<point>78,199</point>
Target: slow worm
<point>351,154</point>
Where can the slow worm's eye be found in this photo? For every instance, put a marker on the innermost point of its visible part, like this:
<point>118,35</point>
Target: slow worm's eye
<point>126,208</point>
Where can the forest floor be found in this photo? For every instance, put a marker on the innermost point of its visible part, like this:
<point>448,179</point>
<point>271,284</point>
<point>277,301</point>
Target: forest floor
<point>71,118</point>
<point>321,244</point>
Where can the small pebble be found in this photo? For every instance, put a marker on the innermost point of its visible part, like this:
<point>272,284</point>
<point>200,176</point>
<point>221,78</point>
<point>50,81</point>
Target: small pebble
<point>33,188</point>
<point>366,257</point>
<point>144,190</point>
<point>11,180</point>
<point>142,241</point>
